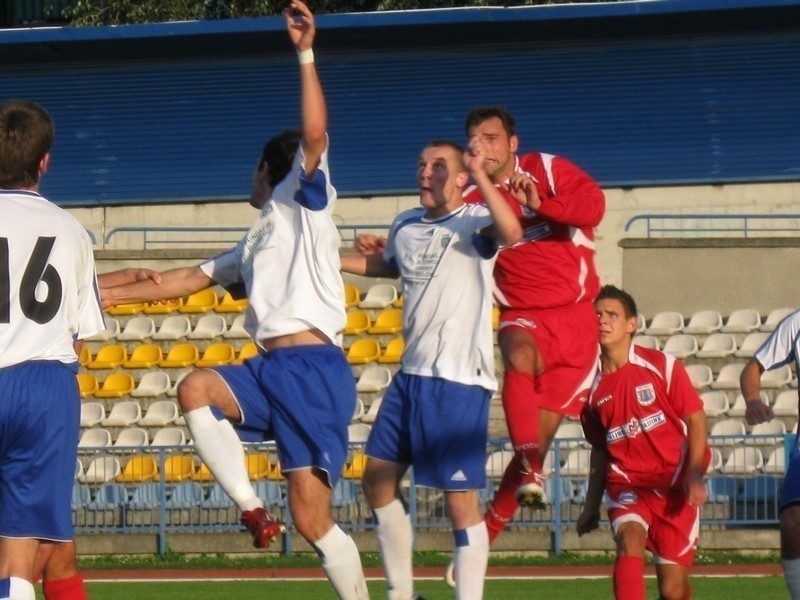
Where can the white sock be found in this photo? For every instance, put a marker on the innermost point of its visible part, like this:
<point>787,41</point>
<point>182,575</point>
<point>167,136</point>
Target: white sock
<point>19,589</point>
<point>472,557</point>
<point>396,540</point>
<point>342,564</point>
<point>791,573</point>
<point>219,447</point>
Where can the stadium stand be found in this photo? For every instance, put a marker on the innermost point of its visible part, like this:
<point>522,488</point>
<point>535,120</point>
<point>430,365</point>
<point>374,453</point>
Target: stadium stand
<point>200,302</point>
<point>163,307</point>
<point>372,411</point>
<point>109,333</point>
<point>236,331</point>
<point>249,350</point>
<point>208,327</point>
<point>126,309</point>
<point>700,375</point>
<point>351,295</point>
<point>94,438</point>
<point>389,320</point>
<point>358,322</point>
<point>174,327</point>
<point>160,413</point>
<point>144,356</point>
<point>180,355</point>
<point>715,403</point>
<point>137,329</point>
<point>728,377</point>
<point>87,384</point>
<point>123,414</point>
<point>785,404</point>
<point>109,356</point>
<point>363,351</point>
<point>703,322</point>
<point>151,385</point>
<point>774,317</point>
<point>374,379</point>
<point>229,305</point>
<point>116,385</point>
<point>717,345</point>
<point>751,343</point>
<point>379,295</point>
<point>743,320</point>
<point>665,323</point>
<point>138,469</point>
<point>681,345</point>
<point>646,341</point>
<point>131,439</point>
<point>92,413</point>
<point>101,470</point>
<point>727,432</point>
<point>743,460</point>
<point>394,351</point>
<point>168,437</point>
<point>220,353</point>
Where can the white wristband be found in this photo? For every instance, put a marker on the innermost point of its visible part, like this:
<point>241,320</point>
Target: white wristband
<point>306,56</point>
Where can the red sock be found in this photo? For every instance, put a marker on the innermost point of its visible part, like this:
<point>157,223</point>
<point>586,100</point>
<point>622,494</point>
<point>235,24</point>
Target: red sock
<point>522,415</point>
<point>65,589</point>
<point>629,578</point>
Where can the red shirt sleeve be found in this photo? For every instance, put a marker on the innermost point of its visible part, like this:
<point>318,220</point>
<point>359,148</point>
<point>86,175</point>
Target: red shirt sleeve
<point>578,200</point>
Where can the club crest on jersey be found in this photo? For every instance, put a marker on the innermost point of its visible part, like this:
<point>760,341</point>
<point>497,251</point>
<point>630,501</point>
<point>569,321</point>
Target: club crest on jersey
<point>446,240</point>
<point>645,394</point>
<point>627,498</point>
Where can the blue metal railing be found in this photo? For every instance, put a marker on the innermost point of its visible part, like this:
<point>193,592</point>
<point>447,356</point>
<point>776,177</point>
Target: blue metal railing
<point>732,224</point>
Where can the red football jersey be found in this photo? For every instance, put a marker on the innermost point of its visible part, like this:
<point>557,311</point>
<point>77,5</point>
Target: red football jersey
<point>637,413</point>
<point>553,266</point>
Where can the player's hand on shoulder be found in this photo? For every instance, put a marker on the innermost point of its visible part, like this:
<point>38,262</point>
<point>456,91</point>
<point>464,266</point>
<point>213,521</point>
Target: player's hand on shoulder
<point>523,188</point>
<point>367,243</point>
<point>758,412</point>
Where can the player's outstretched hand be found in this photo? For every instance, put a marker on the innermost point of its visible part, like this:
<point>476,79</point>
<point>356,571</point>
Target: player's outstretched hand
<point>300,23</point>
<point>367,244</point>
<point>758,412</point>
<point>524,190</point>
<point>588,521</point>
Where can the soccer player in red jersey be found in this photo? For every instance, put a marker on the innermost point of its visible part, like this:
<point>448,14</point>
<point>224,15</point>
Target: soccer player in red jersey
<point>648,432</point>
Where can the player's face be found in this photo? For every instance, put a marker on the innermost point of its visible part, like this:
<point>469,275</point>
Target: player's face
<point>615,327</point>
<point>499,147</point>
<point>441,178</point>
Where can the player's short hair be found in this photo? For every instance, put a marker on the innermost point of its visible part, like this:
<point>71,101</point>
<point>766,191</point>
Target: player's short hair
<point>456,148</point>
<point>26,135</point>
<point>478,115</point>
<point>611,292</point>
<point>278,153</point>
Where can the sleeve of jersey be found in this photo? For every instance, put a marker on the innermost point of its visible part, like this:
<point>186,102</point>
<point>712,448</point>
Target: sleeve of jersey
<point>90,312</point>
<point>682,395</point>
<point>313,193</point>
<point>223,268</point>
<point>579,201</point>
<point>778,350</point>
<point>592,428</point>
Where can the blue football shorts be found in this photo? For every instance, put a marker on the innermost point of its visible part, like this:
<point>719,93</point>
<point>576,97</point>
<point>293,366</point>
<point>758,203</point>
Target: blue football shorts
<point>791,483</point>
<point>39,424</point>
<point>438,426</point>
<point>303,397</point>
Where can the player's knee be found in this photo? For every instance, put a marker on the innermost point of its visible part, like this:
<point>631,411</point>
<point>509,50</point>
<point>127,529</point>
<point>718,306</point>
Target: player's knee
<point>676,588</point>
<point>520,353</point>
<point>193,391</point>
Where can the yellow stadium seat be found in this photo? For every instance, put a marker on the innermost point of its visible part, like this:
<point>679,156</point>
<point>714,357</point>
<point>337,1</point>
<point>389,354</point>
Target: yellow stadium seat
<point>358,322</point>
<point>126,309</point>
<point>200,302</point>
<point>181,355</point>
<point>178,467</point>
<point>394,351</point>
<point>387,321</point>
<point>398,303</point>
<point>88,384</point>
<point>85,356</point>
<point>363,351</point>
<point>221,353</point>
<point>249,350</point>
<point>144,356</point>
<point>229,305</point>
<point>163,307</point>
<point>355,468</point>
<point>109,356</point>
<point>351,295</point>
<point>495,318</point>
<point>258,465</point>
<point>137,469</point>
<point>202,474</point>
<point>275,472</point>
<point>116,385</point>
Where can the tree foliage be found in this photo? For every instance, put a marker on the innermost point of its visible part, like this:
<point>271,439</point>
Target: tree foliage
<point>120,12</point>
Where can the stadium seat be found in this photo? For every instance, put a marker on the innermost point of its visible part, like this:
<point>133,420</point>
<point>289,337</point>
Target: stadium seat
<point>173,391</point>
<point>715,403</point>
<point>717,345</point>
<point>355,468</point>
<point>236,331</point>
<point>109,333</point>
<point>389,320</point>
<point>87,384</point>
<point>344,493</point>
<point>137,469</point>
<point>178,467</point>
<point>203,473</point>
<point>200,302</point>
<point>84,356</point>
<point>109,356</point>
<point>401,301</point>
<point>700,375</point>
<point>739,406</point>
<point>752,342</point>
<point>123,414</point>
<point>681,345</point>
<point>570,435</point>
<point>145,497</point>
<point>775,378</point>
<point>151,385</point>
<point>372,412</point>
<point>743,460</point>
<point>394,351</point>
<point>641,324</point>
<point>728,377</point>
<point>208,327</point>
<point>258,465</point>
<point>759,489</point>
<point>275,471</point>
<point>95,438</point>
<point>144,356</point>
<point>163,307</point>
<point>159,414</point>
<point>351,295</point>
<point>249,350</point>
<point>217,498</point>
<point>665,323</point>
<point>185,495</point>
<point>776,462</point>
<point>364,351</point>
<point>137,329</point>
<point>786,404</point>
<point>180,355</point>
<point>220,353</point>
<point>646,341</point>
<point>116,385</point>
<point>769,433</point>
<point>81,496</point>
<point>774,317</point>
<point>229,305</point>
<point>703,322</point>
<point>374,379</point>
<point>358,433</point>
<point>743,320</point>
<point>109,496</point>
<point>577,463</point>
<point>101,470</point>
<point>174,327</point>
<point>126,309</point>
<point>131,439</point>
<point>358,410</point>
<point>722,489</point>
<point>727,432</point>
<point>379,295</point>
<point>716,462</point>
<point>358,321</point>
<point>168,436</point>
<point>94,412</point>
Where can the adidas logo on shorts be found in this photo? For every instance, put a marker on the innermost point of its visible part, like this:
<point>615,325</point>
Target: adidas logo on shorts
<point>458,476</point>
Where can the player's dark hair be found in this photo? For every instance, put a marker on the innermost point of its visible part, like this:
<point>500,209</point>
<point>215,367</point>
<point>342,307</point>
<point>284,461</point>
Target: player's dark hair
<point>478,115</point>
<point>26,135</point>
<point>279,153</point>
<point>610,292</point>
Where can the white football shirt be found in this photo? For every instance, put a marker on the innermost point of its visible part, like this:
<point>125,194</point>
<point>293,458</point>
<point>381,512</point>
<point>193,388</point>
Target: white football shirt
<point>48,287</point>
<point>782,346</point>
<point>289,259</point>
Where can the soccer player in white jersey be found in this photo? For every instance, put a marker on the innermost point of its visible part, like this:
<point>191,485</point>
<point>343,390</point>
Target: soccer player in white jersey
<point>435,414</point>
<point>48,301</point>
<point>300,389</point>
<point>782,347</point>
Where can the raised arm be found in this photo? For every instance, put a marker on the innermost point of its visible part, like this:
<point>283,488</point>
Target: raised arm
<point>300,23</point>
<point>175,283</point>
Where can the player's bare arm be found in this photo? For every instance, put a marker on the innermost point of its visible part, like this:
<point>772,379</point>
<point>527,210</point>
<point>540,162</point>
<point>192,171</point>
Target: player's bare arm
<point>371,265</point>
<point>750,382</point>
<point>124,276</point>
<point>367,243</point>
<point>589,519</point>
<point>175,283</point>
<point>697,433</point>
